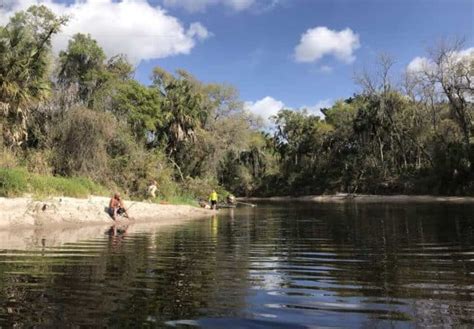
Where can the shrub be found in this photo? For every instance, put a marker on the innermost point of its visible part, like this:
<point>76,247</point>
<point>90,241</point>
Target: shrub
<point>81,143</point>
<point>201,188</point>
<point>133,167</point>
<point>39,162</point>
<point>7,159</point>
<point>13,182</point>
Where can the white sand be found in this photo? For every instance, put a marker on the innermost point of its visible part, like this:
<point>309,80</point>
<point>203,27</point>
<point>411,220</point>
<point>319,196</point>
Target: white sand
<point>64,212</point>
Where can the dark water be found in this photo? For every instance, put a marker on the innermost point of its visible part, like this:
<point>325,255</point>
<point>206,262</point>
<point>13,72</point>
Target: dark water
<point>276,266</point>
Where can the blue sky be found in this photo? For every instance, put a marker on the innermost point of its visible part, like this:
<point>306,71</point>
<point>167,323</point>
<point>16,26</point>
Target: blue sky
<point>251,44</point>
<point>255,50</point>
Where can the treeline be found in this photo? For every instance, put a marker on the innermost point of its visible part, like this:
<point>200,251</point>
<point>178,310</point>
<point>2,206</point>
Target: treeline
<point>83,114</point>
<point>410,137</point>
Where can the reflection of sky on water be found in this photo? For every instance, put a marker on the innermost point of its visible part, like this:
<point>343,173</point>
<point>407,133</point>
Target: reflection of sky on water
<point>278,267</point>
<point>265,275</point>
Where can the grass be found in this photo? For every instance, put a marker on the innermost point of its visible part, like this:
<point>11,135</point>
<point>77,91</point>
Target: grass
<point>15,182</point>
<point>177,200</point>
<point>18,181</point>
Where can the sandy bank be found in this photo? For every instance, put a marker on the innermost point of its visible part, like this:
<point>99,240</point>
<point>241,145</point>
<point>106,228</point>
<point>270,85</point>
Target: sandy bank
<point>26,212</point>
<point>365,198</point>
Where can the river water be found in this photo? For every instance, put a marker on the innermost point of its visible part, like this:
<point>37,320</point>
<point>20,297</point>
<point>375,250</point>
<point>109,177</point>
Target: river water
<point>274,266</point>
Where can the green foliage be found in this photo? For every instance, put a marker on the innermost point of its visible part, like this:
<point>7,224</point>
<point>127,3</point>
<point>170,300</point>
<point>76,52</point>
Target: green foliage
<point>60,186</point>
<point>38,162</point>
<point>133,167</point>
<point>380,143</point>
<point>8,159</point>
<point>16,182</point>
<point>13,182</point>
<point>141,106</point>
<point>82,139</point>
<point>183,113</point>
<point>178,200</point>
<point>201,187</point>
<point>25,48</point>
<point>82,65</point>
<point>193,137</point>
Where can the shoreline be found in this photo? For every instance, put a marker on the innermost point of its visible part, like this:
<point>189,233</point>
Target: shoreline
<point>367,198</point>
<point>39,238</point>
<point>72,212</point>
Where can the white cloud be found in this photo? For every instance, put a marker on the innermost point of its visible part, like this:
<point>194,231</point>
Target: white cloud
<point>419,64</point>
<point>265,108</point>
<point>316,108</point>
<point>199,31</point>
<point>268,107</point>
<point>201,5</point>
<point>131,27</point>
<point>469,52</point>
<point>423,64</point>
<point>320,41</point>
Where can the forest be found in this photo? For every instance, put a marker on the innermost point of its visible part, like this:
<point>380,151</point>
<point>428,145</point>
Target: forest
<point>81,115</point>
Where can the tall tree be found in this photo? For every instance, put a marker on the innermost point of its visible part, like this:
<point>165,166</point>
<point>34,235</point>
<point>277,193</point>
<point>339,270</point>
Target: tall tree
<point>25,48</point>
<point>182,107</point>
<point>81,67</point>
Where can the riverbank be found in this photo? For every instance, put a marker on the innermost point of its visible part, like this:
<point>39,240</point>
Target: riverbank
<point>65,211</point>
<point>366,198</point>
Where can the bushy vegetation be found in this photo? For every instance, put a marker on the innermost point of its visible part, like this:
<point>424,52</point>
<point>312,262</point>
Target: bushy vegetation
<point>18,181</point>
<point>83,115</point>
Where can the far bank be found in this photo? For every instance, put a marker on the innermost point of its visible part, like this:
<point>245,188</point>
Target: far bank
<point>367,198</point>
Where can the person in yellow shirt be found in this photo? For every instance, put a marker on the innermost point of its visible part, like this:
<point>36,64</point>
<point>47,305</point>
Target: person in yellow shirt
<point>213,199</point>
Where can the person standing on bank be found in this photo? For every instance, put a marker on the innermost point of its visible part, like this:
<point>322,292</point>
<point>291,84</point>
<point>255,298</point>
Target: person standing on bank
<point>152,188</point>
<point>213,199</point>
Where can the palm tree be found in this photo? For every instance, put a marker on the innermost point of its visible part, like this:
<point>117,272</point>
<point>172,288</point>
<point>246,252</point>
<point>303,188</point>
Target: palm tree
<point>25,45</point>
<point>183,109</point>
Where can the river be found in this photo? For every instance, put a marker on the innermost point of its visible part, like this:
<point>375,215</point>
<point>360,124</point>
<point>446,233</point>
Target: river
<point>275,266</point>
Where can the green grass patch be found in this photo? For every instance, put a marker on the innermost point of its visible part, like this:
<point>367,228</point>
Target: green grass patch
<point>177,200</point>
<point>13,182</point>
<point>18,181</point>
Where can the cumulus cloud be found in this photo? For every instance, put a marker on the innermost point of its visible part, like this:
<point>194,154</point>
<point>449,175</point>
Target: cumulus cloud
<point>424,64</point>
<point>269,106</point>
<point>316,108</point>
<point>199,31</point>
<point>265,108</point>
<point>131,27</point>
<point>320,41</point>
<point>419,64</point>
<point>201,5</point>
<point>469,52</point>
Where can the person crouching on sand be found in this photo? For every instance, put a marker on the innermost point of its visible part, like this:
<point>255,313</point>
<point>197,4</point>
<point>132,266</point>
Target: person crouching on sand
<point>117,207</point>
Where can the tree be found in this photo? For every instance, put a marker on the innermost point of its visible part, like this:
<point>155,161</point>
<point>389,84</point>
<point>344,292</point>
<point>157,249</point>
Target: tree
<point>81,67</point>
<point>82,138</point>
<point>25,47</point>
<point>453,70</point>
<point>141,107</point>
<point>182,107</point>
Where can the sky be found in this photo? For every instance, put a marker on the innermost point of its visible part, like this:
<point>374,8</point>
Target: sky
<point>277,53</point>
